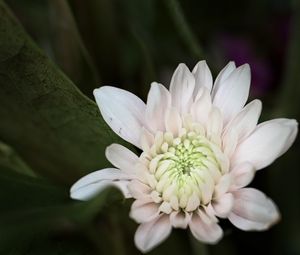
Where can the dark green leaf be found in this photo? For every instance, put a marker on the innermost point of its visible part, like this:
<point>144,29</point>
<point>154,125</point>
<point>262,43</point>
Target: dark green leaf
<point>56,129</point>
<point>10,159</point>
<point>33,209</point>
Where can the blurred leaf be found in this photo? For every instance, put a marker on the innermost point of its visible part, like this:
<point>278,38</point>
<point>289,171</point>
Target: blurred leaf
<point>183,28</point>
<point>69,49</point>
<point>97,23</point>
<point>11,160</point>
<point>176,243</point>
<point>32,209</point>
<point>56,129</point>
<point>51,24</point>
<point>198,247</point>
<point>284,175</point>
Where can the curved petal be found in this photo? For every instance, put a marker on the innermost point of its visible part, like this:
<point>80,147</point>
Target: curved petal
<point>242,174</point>
<point>222,76</point>
<point>203,77</point>
<point>122,111</point>
<point>158,101</point>
<point>252,210</point>
<point>214,126</point>
<point>91,184</point>
<point>144,210</point>
<point>121,157</point>
<point>223,185</point>
<point>268,141</point>
<point>173,121</point>
<point>232,93</point>
<point>182,88</point>
<point>150,234</point>
<point>138,189</point>
<point>205,230</point>
<point>223,205</point>
<point>200,109</point>
<point>180,219</point>
<point>146,140</point>
<point>245,121</point>
<point>89,191</point>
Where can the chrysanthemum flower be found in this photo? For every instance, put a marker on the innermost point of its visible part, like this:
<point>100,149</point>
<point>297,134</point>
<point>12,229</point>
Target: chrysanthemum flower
<point>200,147</point>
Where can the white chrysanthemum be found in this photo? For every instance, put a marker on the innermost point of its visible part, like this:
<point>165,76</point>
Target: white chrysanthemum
<point>200,147</point>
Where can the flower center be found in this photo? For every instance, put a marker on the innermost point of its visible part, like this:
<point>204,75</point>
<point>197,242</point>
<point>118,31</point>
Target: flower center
<point>183,171</point>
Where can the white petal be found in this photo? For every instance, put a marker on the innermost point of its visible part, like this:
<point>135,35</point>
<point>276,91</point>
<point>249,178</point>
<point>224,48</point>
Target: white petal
<point>222,76</point>
<point>121,157</point>
<point>245,121</point>
<point>144,210</point>
<point>193,202</point>
<point>242,175</point>
<point>100,175</point>
<point>182,88</point>
<point>146,140</point>
<point>229,141</point>
<point>223,205</point>
<point>252,210</point>
<point>208,232</point>
<point>91,184</point>
<point>159,100</point>
<point>233,92</point>
<point>123,112</point>
<point>89,191</point>
<point>223,185</point>
<point>203,77</point>
<point>201,108</point>
<point>173,121</point>
<point>180,219</point>
<point>268,141</point>
<point>150,234</point>
<point>210,212</point>
<point>214,126</point>
<point>293,124</point>
<point>138,189</point>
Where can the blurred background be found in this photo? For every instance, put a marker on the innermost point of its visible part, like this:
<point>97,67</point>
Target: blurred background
<point>53,53</point>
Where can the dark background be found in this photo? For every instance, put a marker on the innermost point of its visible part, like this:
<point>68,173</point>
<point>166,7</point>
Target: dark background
<point>51,133</point>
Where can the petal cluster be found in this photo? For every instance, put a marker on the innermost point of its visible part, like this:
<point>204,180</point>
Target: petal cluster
<point>201,147</point>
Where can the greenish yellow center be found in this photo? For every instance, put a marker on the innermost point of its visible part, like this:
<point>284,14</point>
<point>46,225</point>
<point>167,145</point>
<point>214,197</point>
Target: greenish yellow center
<point>184,169</point>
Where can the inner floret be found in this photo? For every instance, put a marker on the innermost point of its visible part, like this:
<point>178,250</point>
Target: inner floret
<point>183,171</point>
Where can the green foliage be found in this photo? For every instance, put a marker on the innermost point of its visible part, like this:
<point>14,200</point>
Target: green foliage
<point>52,125</point>
<point>33,211</point>
<point>51,133</point>
<point>11,160</point>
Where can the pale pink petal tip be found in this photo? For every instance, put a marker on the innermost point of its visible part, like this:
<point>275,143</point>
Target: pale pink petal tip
<point>92,184</point>
<point>252,210</point>
<point>205,230</point>
<point>152,233</point>
<point>268,141</point>
<point>122,111</point>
